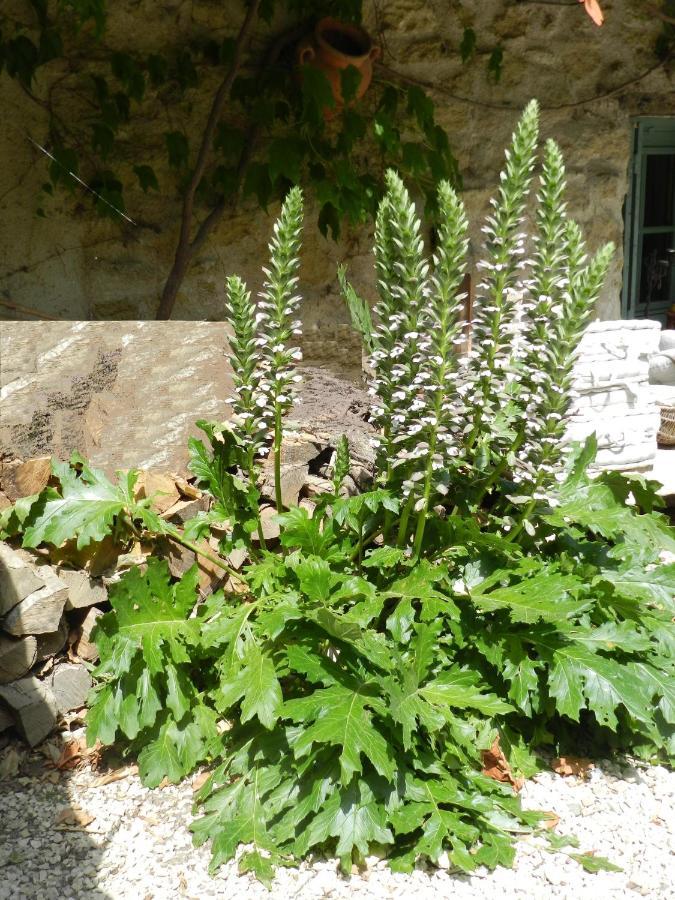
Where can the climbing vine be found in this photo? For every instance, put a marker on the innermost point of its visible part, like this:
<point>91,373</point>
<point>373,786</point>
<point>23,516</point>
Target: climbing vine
<point>267,128</point>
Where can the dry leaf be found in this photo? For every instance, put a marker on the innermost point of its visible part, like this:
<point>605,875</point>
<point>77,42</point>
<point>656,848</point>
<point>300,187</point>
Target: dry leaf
<point>572,765</point>
<point>186,489</point>
<point>594,11</point>
<point>72,754</point>
<point>496,765</point>
<point>117,775</point>
<point>164,783</point>
<point>200,780</point>
<point>74,815</point>
<point>550,820</point>
<point>10,762</point>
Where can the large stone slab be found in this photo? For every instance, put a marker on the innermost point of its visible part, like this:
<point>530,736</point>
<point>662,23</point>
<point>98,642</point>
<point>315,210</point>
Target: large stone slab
<point>125,394</point>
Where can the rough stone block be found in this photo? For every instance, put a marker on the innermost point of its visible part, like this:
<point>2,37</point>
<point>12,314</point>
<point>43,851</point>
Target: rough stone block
<point>22,479</point>
<point>6,719</point>
<point>83,591</point>
<point>52,642</point>
<point>84,645</point>
<point>40,612</point>
<point>18,579</point>
<point>70,684</point>
<point>17,656</point>
<point>34,707</point>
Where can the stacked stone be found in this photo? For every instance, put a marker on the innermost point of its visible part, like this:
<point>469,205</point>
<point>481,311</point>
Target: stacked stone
<point>41,608</point>
<point>613,397</point>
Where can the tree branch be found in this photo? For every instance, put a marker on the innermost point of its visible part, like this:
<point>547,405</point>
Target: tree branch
<point>187,249</point>
<point>184,251</point>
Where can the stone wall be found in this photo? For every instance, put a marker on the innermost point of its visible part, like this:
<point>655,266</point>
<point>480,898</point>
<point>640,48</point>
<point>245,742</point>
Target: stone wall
<point>590,82</point>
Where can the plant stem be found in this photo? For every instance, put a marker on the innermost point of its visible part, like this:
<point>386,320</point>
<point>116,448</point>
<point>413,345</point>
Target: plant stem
<point>403,524</point>
<point>216,560</point>
<point>252,479</point>
<point>526,513</point>
<point>277,458</point>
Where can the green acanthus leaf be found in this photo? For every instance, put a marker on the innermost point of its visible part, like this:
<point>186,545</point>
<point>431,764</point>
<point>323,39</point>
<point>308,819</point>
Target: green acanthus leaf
<point>85,509</point>
<point>342,716</point>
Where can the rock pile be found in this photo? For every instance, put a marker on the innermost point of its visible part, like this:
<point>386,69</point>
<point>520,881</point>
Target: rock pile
<point>44,610</point>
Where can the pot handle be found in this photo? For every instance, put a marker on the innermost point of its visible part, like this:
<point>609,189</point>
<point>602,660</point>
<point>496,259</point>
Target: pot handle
<point>375,52</point>
<point>306,54</point>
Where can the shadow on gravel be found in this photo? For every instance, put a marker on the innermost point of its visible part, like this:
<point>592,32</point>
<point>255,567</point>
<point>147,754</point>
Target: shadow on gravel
<point>47,851</point>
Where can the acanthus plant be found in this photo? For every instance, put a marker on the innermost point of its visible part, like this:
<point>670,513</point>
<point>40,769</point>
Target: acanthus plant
<point>344,682</point>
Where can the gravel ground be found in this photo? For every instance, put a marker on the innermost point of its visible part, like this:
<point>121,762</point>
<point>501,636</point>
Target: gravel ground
<point>137,845</point>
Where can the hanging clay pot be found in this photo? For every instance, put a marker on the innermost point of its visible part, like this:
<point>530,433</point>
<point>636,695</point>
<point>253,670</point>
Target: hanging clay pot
<point>334,46</point>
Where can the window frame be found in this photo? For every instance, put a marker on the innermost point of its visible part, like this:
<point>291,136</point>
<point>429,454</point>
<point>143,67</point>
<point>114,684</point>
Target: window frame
<point>652,136</point>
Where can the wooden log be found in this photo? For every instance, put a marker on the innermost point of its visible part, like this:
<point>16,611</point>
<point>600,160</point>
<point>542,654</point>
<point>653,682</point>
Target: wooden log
<point>17,656</point>
<point>40,612</point>
<point>33,705</point>
<point>70,684</point>
<point>18,579</point>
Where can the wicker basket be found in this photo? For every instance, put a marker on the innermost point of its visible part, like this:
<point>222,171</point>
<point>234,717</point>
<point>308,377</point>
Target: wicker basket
<point>666,435</point>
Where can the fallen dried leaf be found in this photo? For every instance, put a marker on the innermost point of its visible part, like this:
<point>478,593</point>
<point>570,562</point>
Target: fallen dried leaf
<point>74,815</point>
<point>496,766</point>
<point>72,754</point>
<point>550,820</point>
<point>572,765</point>
<point>117,775</point>
<point>200,780</point>
<point>594,11</point>
<point>164,783</point>
<point>10,763</point>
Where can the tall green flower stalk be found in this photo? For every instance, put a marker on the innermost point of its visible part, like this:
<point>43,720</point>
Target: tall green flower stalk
<point>498,295</point>
<point>451,428</point>
<point>402,272</point>
<point>277,326</point>
<point>435,427</point>
<point>263,350</point>
<point>249,404</point>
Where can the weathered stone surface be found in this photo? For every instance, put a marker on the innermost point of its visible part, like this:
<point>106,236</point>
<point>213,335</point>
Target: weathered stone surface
<point>34,707</point>
<point>18,578</point>
<point>17,656</point>
<point>125,394</point>
<point>70,684</point>
<point>84,645</point>
<point>183,510</point>
<point>82,589</point>
<point>53,642</point>
<point>6,718</point>
<point>22,479</point>
<point>180,559</point>
<point>40,612</point>
<point>160,486</point>
<point>315,486</point>
<point>271,529</point>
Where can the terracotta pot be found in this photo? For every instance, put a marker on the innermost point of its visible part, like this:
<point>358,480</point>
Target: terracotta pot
<point>333,47</point>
